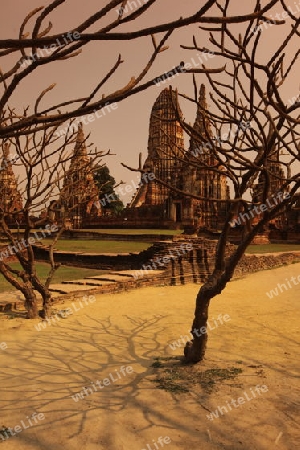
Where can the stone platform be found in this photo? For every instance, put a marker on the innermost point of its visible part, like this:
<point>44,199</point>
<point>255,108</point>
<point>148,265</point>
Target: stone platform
<point>111,282</point>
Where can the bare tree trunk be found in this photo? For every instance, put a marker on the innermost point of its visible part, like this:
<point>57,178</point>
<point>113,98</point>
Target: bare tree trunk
<point>43,290</point>
<point>47,305</point>
<point>31,304</point>
<point>194,350</point>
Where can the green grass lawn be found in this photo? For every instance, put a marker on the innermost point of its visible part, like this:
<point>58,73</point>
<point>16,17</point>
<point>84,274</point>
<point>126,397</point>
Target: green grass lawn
<point>124,231</point>
<point>142,231</point>
<point>63,273</point>
<point>93,246</point>
<point>273,248</point>
<point>73,273</point>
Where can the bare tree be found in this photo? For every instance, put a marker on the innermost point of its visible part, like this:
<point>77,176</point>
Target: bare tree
<point>250,137</point>
<point>27,204</point>
<point>36,48</point>
<point>252,134</point>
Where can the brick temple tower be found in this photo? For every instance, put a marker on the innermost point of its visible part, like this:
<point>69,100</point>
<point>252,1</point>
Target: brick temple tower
<point>201,176</point>
<point>165,149</point>
<point>80,195</point>
<point>10,198</point>
<point>274,176</point>
<point>194,171</point>
<point>274,172</point>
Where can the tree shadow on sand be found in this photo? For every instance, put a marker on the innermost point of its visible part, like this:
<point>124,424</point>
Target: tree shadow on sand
<point>43,372</point>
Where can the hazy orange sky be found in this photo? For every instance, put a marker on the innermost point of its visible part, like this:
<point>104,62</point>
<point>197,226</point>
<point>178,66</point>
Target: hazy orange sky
<point>125,130</point>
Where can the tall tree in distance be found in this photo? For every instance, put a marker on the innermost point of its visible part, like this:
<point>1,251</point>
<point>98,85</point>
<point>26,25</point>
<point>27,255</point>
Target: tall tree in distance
<point>108,198</point>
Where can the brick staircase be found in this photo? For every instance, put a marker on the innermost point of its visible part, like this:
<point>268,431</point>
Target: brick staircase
<point>181,265</point>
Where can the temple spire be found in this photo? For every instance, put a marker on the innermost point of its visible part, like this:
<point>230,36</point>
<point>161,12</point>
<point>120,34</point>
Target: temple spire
<point>6,151</point>
<point>6,161</point>
<point>10,198</point>
<point>198,141</point>
<point>202,124</point>
<point>202,96</point>
<point>80,193</point>
<point>165,149</point>
<point>80,147</point>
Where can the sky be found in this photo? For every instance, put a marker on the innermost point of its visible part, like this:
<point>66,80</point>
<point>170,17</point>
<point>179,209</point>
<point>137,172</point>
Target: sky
<point>124,130</point>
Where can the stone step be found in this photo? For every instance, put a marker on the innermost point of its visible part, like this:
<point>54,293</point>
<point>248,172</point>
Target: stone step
<point>124,273</point>
<point>108,277</point>
<point>147,273</point>
<point>68,288</point>
<point>90,281</point>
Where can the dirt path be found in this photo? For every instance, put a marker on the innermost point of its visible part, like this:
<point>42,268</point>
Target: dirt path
<point>114,341</point>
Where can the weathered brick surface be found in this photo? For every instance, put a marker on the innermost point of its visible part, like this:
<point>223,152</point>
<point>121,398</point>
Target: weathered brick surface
<point>254,263</point>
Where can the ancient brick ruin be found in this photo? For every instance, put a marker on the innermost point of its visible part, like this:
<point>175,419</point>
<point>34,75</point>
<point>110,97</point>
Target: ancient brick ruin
<point>155,204</point>
<point>10,197</point>
<point>79,197</point>
<point>189,171</point>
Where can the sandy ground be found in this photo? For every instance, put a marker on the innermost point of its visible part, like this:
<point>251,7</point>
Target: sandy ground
<point>41,370</point>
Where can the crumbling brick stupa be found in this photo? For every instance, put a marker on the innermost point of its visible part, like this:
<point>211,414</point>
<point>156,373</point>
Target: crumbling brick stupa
<point>191,171</point>
<point>10,197</point>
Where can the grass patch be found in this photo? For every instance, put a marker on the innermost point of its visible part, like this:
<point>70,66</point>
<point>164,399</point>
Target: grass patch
<point>272,248</point>
<point>210,377</point>
<point>141,231</point>
<point>95,246</point>
<point>173,375</point>
<point>171,379</point>
<point>63,273</point>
